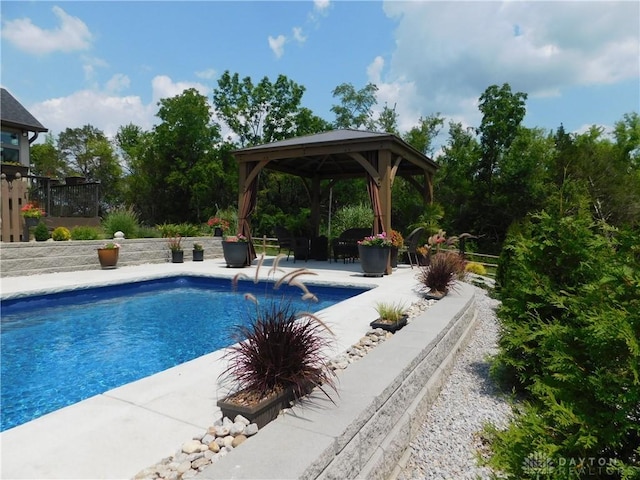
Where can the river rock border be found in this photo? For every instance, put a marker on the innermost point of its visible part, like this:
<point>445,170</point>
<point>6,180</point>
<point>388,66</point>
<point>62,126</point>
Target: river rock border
<point>225,434</point>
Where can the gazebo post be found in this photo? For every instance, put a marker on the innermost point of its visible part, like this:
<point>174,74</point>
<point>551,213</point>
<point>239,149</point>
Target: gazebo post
<point>384,172</point>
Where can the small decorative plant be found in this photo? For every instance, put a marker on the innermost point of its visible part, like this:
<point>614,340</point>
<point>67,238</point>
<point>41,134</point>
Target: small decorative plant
<point>235,238</point>
<point>197,247</point>
<point>218,222</point>
<point>390,312</point>
<point>41,232</point>
<point>396,239</point>
<point>61,234</point>
<point>30,210</point>
<point>379,240</point>
<point>175,243</point>
<point>440,276</point>
<point>475,267</point>
<point>111,245</point>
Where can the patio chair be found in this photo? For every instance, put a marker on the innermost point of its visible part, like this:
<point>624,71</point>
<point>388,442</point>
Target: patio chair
<point>412,240</point>
<point>285,240</point>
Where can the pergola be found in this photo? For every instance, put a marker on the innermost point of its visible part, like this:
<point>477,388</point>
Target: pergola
<point>336,155</point>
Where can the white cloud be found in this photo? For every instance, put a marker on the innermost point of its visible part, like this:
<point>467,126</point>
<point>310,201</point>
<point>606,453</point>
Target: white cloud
<point>106,110</point>
<point>103,110</point>
<point>70,35</point>
<point>450,52</point>
<point>163,87</point>
<point>298,35</point>
<point>117,83</point>
<point>277,45</point>
<point>208,74</point>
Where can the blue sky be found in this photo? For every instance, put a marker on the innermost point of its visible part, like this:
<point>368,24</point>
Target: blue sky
<point>109,63</point>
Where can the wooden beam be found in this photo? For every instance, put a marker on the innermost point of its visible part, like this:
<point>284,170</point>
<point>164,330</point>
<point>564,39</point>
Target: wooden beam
<point>367,166</point>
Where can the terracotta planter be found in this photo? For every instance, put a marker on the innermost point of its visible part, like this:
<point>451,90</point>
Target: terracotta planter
<point>108,257</point>
<point>373,260</point>
<point>389,326</point>
<point>198,255</point>
<point>235,254</point>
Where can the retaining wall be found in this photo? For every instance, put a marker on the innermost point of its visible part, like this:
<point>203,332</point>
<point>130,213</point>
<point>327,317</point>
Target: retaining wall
<point>383,401</point>
<point>30,258</point>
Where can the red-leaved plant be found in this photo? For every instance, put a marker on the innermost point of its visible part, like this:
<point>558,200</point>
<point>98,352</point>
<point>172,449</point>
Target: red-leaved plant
<point>281,348</point>
<point>439,277</point>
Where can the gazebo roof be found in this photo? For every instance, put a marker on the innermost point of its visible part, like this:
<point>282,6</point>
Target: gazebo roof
<point>330,155</point>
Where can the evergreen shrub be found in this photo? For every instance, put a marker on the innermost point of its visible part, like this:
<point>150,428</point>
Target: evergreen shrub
<point>570,346</point>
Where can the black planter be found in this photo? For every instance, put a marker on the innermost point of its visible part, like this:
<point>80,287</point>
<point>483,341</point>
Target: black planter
<point>261,413</point>
<point>29,223</point>
<point>177,256</point>
<point>217,232</point>
<point>389,326</point>
<point>373,260</point>
<point>393,259</point>
<point>236,254</point>
<point>198,255</point>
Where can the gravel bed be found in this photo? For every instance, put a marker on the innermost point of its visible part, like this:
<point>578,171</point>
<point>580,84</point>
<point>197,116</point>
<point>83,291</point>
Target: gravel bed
<point>449,441</point>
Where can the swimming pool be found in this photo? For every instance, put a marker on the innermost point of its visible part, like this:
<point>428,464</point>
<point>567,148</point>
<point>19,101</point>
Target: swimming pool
<point>61,348</point>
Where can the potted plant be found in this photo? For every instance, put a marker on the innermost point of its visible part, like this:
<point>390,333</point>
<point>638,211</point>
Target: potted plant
<point>440,276</point>
<point>198,252</point>
<point>108,255</point>
<point>236,250</point>
<point>392,316</point>
<point>280,356</point>
<point>397,242</point>
<point>218,225</point>
<point>374,254</point>
<point>177,254</point>
<point>32,215</point>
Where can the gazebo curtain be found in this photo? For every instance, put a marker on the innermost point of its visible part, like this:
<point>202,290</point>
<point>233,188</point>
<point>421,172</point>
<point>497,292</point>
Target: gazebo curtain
<point>374,194</point>
<point>249,199</point>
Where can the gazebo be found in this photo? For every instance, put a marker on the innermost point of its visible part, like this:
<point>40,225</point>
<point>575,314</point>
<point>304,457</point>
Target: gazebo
<point>336,155</point>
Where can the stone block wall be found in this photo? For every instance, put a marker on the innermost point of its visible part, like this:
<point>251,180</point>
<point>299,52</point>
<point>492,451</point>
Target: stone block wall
<point>31,258</point>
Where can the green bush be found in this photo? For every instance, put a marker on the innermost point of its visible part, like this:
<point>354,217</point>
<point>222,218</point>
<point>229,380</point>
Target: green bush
<point>61,234</point>
<point>570,344</point>
<point>41,232</point>
<point>475,267</point>
<point>148,232</point>
<point>123,220</point>
<point>351,216</point>
<point>84,233</point>
<point>179,229</point>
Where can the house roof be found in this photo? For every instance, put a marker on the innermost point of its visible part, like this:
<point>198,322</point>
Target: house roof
<point>331,154</point>
<point>13,114</point>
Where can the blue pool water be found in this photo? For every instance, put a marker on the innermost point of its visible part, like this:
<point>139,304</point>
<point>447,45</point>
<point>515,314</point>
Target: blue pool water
<point>62,348</point>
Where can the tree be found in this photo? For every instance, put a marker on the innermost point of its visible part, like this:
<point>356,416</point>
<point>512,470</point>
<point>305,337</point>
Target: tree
<point>45,159</point>
<point>502,113</point>
<point>87,151</point>
<point>422,135</point>
<point>387,121</point>
<point>185,163</point>
<point>354,110</point>
<point>260,113</point>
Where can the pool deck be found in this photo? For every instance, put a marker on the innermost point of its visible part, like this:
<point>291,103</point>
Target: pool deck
<point>129,428</point>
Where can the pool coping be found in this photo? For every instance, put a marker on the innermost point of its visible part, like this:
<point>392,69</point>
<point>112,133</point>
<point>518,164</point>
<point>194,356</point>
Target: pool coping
<point>127,429</point>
